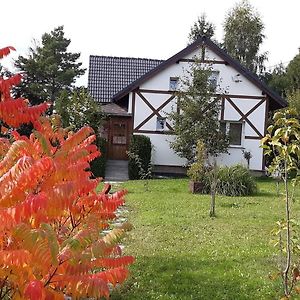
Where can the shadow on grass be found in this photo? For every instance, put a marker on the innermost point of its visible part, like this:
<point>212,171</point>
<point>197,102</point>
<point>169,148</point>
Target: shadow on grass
<point>191,278</point>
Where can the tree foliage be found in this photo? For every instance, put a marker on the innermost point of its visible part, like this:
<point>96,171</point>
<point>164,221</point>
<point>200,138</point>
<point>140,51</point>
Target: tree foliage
<point>202,27</point>
<point>243,36</point>
<point>286,81</point>
<point>197,116</point>
<point>294,101</point>
<point>79,109</point>
<point>277,80</point>
<point>293,74</point>
<point>49,68</point>
<point>52,238</point>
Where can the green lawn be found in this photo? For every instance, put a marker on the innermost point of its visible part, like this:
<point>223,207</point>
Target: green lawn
<point>181,253</point>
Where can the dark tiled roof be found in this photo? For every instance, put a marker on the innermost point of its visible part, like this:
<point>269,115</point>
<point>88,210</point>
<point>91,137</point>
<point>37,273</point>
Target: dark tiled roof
<point>109,75</point>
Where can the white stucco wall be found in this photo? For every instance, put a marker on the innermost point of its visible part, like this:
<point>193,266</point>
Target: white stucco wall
<point>162,154</point>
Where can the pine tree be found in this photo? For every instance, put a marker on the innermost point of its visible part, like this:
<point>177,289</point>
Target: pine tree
<point>200,28</point>
<point>49,68</point>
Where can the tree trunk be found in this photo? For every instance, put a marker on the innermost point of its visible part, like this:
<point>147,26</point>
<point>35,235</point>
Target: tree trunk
<point>213,186</point>
<point>288,236</point>
<point>212,212</point>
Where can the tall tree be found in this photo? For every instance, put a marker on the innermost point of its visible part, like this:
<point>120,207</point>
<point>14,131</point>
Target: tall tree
<point>201,27</point>
<point>49,68</point>
<point>293,73</point>
<point>243,36</point>
<point>197,118</point>
<point>277,80</point>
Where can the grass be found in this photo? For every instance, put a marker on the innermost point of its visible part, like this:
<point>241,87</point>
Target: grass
<point>181,253</point>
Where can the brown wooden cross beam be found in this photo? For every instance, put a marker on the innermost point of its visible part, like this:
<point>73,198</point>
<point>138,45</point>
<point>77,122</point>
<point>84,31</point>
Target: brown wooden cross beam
<point>154,110</point>
<point>244,117</point>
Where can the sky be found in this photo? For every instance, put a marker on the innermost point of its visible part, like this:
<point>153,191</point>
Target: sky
<point>137,28</point>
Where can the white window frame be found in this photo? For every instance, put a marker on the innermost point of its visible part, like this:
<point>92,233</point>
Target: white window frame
<point>227,128</point>
<point>213,79</point>
<point>173,83</point>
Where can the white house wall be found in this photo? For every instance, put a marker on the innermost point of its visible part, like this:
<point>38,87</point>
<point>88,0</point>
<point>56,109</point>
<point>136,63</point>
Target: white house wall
<point>161,155</point>
<point>236,155</point>
<point>156,91</point>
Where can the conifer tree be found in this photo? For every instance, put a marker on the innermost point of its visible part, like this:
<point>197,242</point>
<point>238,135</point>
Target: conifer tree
<point>200,28</point>
<point>49,68</point>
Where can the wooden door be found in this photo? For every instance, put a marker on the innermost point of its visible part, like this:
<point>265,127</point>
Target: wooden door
<point>119,137</point>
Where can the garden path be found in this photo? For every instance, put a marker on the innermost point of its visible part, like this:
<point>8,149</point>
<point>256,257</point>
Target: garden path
<point>116,170</point>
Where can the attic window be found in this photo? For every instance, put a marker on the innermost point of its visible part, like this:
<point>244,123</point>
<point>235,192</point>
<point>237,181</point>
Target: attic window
<point>213,79</point>
<point>173,83</point>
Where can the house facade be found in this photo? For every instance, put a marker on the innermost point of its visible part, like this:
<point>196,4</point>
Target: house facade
<point>141,104</point>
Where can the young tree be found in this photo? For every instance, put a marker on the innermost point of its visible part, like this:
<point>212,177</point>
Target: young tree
<point>49,68</point>
<point>283,143</point>
<point>200,28</point>
<point>52,241</point>
<point>197,116</point>
<point>243,37</point>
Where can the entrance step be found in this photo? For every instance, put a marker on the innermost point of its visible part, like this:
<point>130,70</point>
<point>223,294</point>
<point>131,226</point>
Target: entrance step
<point>116,170</point>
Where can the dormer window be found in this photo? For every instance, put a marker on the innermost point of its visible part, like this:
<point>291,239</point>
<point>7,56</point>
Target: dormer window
<point>173,83</point>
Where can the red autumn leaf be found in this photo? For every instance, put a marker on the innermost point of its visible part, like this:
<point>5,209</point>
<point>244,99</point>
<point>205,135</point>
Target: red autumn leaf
<point>35,290</point>
<point>5,51</point>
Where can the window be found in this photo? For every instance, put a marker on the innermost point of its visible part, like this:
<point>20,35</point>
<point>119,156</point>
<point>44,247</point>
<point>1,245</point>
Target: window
<point>213,79</point>
<point>119,134</point>
<point>234,130</point>
<point>173,83</point>
<point>160,123</point>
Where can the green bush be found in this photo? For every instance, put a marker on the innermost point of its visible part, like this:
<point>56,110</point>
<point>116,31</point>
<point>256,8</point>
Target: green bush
<point>231,181</point>
<point>235,181</point>
<point>98,165</point>
<point>140,146</point>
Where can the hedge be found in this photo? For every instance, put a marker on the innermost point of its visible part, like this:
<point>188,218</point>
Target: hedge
<point>141,146</point>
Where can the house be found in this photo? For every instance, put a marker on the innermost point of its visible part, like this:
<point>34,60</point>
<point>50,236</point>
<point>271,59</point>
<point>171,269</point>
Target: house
<point>137,94</point>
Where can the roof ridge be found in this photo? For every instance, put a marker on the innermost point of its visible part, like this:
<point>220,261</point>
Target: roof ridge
<point>124,57</point>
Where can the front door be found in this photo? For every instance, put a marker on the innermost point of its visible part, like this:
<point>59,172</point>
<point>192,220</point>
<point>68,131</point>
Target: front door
<point>119,137</point>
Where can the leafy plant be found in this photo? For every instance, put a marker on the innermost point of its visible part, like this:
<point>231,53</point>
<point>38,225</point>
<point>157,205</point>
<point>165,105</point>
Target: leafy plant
<point>52,238</point>
<point>144,174</point>
<point>196,170</point>
<point>98,165</point>
<point>283,143</point>
<point>235,181</point>
<point>79,109</point>
<point>247,155</point>
<point>139,165</point>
